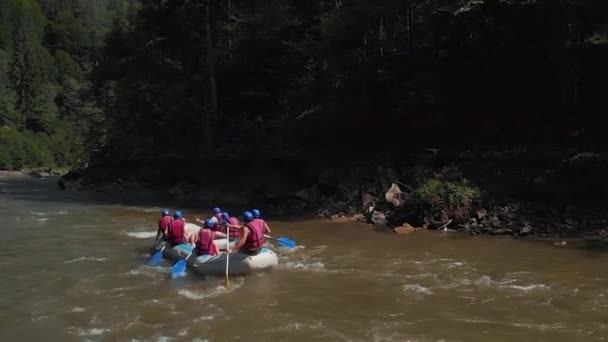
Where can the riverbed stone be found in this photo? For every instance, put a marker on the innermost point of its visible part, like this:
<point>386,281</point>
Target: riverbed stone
<point>393,195</point>
<point>378,218</point>
<point>525,230</point>
<point>405,229</point>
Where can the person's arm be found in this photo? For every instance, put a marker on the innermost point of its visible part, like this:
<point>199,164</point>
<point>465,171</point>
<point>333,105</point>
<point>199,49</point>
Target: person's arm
<point>200,221</point>
<point>242,241</point>
<point>266,228</point>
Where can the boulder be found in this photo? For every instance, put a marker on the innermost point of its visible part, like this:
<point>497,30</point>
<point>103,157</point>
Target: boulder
<point>394,195</point>
<point>378,218</point>
<point>495,222</point>
<point>525,230</point>
<point>405,229</point>
<point>367,201</point>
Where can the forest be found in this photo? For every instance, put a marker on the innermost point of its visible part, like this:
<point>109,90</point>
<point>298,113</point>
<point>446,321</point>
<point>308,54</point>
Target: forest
<point>90,81</point>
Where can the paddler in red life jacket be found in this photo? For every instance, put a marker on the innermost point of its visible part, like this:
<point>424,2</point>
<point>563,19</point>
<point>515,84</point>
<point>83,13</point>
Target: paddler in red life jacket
<point>257,215</point>
<point>163,225</point>
<point>252,236</point>
<point>204,242</point>
<point>232,223</point>
<point>176,232</point>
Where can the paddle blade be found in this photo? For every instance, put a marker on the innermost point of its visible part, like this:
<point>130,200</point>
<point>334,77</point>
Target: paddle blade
<point>227,283</point>
<point>179,269</point>
<point>156,259</point>
<point>285,242</point>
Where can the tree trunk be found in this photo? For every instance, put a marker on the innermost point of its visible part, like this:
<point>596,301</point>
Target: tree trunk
<point>213,113</point>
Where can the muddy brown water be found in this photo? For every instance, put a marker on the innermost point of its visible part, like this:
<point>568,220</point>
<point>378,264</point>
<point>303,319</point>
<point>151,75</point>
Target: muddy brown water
<point>73,269</point>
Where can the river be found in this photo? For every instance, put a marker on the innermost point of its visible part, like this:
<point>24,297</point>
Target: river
<point>73,269</point>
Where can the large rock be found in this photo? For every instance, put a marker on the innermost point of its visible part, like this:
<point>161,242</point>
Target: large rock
<point>378,218</point>
<point>394,195</point>
<point>405,229</point>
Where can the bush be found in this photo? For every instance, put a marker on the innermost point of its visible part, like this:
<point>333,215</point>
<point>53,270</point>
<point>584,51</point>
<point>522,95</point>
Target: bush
<point>20,150</point>
<point>443,200</point>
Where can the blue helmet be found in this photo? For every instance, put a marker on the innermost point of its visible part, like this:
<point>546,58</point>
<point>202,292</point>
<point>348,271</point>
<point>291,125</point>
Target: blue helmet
<point>256,213</point>
<point>248,216</point>
<point>225,216</point>
<point>208,223</point>
<point>178,215</point>
<point>165,212</point>
<point>217,210</point>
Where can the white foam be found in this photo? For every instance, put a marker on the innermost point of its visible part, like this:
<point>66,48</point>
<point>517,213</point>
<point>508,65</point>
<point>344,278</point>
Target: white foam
<point>92,332</point>
<point>211,293</point>
<point>304,266</point>
<point>77,309</point>
<point>509,284</point>
<point>86,259</point>
<point>142,235</point>
<point>417,289</point>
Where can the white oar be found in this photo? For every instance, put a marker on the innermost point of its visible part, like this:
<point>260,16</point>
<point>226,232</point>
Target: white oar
<point>227,284</point>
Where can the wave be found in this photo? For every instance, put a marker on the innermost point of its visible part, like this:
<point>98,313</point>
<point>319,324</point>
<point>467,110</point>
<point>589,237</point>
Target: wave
<point>92,331</point>
<point>86,259</point>
<point>417,288</point>
<point>142,235</point>
<point>509,284</point>
<point>304,266</point>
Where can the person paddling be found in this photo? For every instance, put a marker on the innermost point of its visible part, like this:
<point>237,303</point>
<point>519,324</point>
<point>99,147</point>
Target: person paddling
<point>176,231</point>
<point>252,236</point>
<point>204,242</point>
<point>233,224</point>
<point>163,225</point>
<point>215,219</point>
<point>257,215</point>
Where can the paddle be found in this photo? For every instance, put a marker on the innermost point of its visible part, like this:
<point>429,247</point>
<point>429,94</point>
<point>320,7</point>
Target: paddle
<point>157,257</point>
<point>283,241</point>
<point>227,284</point>
<point>179,269</point>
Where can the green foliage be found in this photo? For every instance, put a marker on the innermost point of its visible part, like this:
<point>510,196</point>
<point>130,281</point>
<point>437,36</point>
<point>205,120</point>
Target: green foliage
<point>446,199</point>
<point>49,114</point>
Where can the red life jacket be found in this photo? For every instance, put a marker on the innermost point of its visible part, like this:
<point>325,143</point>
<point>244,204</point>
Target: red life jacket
<point>235,233</point>
<point>255,238</point>
<point>205,244</point>
<point>164,221</point>
<point>262,222</point>
<point>177,232</point>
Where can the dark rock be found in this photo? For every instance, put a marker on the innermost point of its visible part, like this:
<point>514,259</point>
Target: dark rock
<point>378,218</point>
<point>73,180</point>
<point>495,222</point>
<point>367,201</point>
<point>525,230</point>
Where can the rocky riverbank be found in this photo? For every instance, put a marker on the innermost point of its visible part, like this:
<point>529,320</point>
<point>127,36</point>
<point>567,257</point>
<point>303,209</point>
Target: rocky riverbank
<point>517,192</point>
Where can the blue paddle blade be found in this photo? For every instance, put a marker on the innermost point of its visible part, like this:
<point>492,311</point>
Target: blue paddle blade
<point>156,259</point>
<point>286,242</point>
<point>179,269</point>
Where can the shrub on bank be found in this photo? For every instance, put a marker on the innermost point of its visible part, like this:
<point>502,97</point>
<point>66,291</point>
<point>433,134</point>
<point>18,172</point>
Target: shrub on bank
<point>443,200</point>
<point>20,150</point>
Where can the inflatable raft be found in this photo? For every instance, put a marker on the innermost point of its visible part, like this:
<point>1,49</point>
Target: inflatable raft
<point>239,263</point>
